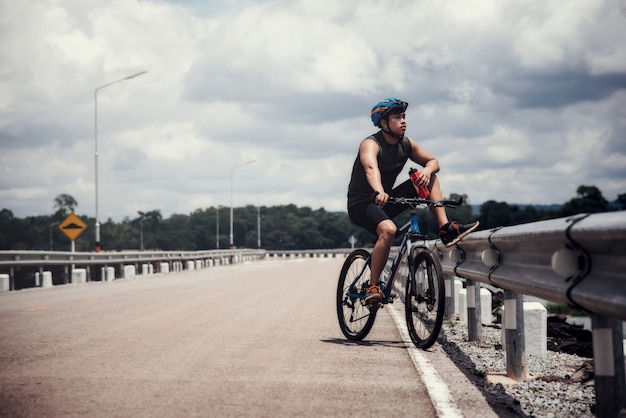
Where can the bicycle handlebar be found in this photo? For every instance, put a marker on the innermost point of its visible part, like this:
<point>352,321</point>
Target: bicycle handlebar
<point>417,201</point>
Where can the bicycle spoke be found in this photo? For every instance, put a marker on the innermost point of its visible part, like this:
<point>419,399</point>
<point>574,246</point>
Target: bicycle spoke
<point>425,303</point>
<point>355,319</point>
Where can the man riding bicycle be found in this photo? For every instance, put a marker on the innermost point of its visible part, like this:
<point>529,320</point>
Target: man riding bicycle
<point>380,160</point>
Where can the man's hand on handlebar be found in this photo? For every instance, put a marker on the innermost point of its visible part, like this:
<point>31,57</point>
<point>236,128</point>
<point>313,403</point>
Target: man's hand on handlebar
<point>381,199</point>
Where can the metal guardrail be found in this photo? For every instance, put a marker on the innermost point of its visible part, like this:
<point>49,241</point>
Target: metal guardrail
<point>10,261</point>
<point>309,253</point>
<point>45,258</point>
<point>578,261</point>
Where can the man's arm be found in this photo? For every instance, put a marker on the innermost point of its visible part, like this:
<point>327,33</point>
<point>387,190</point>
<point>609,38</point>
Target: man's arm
<point>368,153</point>
<point>426,160</point>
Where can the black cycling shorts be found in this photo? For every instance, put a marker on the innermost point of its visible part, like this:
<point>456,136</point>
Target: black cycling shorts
<point>368,215</point>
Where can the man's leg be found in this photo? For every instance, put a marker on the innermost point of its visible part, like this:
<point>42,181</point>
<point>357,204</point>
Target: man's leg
<point>386,231</point>
<point>436,194</point>
<point>449,232</point>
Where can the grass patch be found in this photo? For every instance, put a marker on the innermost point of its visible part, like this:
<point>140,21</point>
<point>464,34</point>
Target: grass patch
<point>555,309</point>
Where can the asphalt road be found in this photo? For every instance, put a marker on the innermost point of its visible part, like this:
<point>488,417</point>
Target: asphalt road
<point>259,339</point>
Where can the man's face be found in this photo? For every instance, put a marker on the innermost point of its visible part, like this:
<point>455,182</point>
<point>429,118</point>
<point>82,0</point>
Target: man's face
<point>397,123</point>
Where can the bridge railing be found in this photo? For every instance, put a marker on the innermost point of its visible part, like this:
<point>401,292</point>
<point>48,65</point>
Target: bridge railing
<point>99,264</point>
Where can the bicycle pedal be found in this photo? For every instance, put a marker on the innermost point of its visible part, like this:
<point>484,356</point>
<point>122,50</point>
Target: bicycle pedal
<point>375,305</point>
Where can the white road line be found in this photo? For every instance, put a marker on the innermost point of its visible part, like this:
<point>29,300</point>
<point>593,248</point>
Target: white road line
<point>438,391</point>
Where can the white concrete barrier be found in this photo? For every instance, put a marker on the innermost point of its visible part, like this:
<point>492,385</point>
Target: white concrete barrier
<point>147,269</point>
<point>164,267</point>
<point>107,274</point>
<point>44,279</point>
<point>485,306</point>
<point>535,330</point>
<point>79,276</point>
<point>5,283</point>
<point>129,271</point>
<point>458,286</point>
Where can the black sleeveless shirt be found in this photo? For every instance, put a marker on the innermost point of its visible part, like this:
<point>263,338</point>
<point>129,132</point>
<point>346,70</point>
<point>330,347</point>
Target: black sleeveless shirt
<point>391,160</point>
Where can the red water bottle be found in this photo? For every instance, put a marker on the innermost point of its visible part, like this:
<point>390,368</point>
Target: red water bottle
<point>422,191</point>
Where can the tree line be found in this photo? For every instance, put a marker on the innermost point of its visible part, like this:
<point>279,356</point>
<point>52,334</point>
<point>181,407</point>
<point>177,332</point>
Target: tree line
<point>285,227</point>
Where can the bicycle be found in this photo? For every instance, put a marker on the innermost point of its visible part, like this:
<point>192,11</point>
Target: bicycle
<point>424,300</point>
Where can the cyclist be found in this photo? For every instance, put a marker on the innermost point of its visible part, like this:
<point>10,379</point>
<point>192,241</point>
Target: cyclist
<point>380,160</point>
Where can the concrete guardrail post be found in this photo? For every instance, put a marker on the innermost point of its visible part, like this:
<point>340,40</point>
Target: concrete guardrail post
<point>474,320</point>
<point>515,346</point>
<point>449,311</point>
<point>79,276</point>
<point>608,356</point>
<point>42,279</point>
<point>129,271</point>
<point>108,274</point>
<point>535,330</point>
<point>46,279</point>
<point>5,283</point>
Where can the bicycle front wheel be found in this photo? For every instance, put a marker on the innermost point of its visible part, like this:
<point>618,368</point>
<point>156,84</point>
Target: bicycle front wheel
<point>355,318</point>
<point>425,299</point>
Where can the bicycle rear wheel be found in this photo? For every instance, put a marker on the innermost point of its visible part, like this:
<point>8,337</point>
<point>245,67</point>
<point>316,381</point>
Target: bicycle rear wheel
<point>355,318</point>
<point>425,299</point>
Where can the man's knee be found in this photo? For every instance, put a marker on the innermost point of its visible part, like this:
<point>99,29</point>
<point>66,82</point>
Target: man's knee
<point>387,230</point>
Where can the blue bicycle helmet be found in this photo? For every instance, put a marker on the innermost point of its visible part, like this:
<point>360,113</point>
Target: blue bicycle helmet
<point>387,107</point>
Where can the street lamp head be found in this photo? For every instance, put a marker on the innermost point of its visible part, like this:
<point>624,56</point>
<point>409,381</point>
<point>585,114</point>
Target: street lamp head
<point>135,75</point>
<point>241,165</point>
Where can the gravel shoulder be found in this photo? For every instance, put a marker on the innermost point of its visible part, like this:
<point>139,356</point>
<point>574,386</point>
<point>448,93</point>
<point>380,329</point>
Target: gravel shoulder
<point>557,386</point>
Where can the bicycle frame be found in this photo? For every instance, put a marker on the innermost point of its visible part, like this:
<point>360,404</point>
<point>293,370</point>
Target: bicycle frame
<point>410,231</point>
<point>423,298</point>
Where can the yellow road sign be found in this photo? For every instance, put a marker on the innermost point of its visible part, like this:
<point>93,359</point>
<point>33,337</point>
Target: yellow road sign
<point>72,226</point>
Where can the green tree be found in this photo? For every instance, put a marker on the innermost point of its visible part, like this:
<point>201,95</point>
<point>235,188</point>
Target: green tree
<point>8,229</point>
<point>589,199</point>
<point>64,204</point>
<point>463,213</point>
<point>494,214</point>
<point>151,224</point>
<point>282,227</point>
<point>621,201</point>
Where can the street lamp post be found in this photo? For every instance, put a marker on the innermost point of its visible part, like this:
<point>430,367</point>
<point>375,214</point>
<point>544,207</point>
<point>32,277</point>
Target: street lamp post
<point>141,215</point>
<point>232,172</point>
<point>96,146</point>
<point>51,225</point>
<point>217,227</point>
<point>258,225</point>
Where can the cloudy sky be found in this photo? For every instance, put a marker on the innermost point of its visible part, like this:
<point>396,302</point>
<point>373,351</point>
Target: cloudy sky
<point>521,101</point>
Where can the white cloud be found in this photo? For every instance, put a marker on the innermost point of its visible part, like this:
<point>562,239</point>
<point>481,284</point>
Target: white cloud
<point>521,101</point>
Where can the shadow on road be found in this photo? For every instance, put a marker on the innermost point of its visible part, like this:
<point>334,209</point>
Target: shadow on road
<point>368,343</point>
<point>496,396</point>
